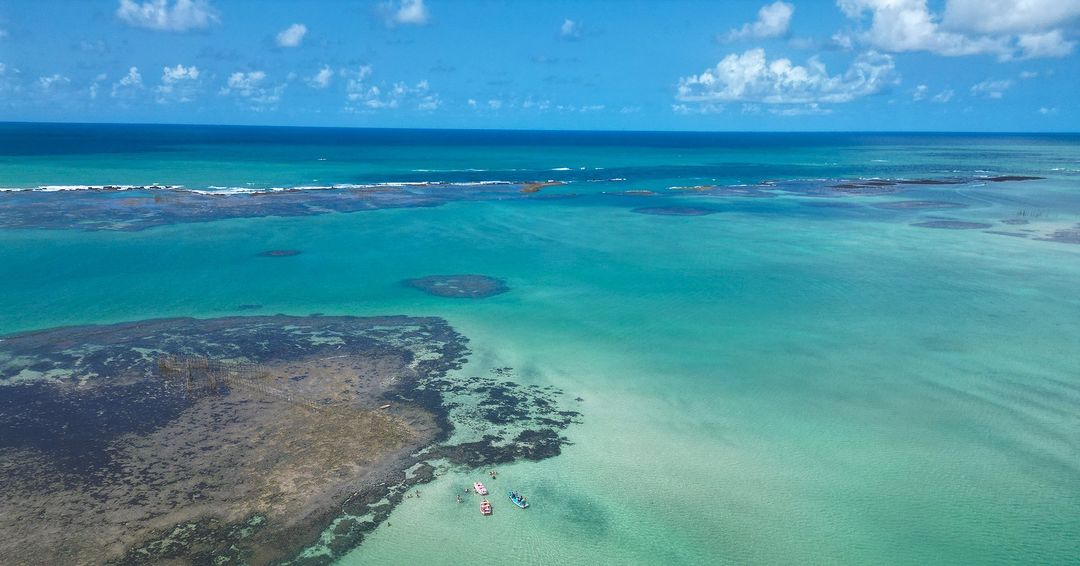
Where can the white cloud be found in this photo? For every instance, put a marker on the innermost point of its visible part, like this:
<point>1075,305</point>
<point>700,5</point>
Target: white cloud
<point>1005,28</point>
<point>751,77</point>
<point>495,104</point>
<point>251,88</point>
<point>922,92</point>
<point>570,29</point>
<point>944,96</point>
<point>181,15</point>
<point>179,84</point>
<point>1008,16</point>
<point>128,85</point>
<point>3,33</point>
<point>991,88</point>
<point>405,12</point>
<point>812,109</point>
<point>56,79</point>
<point>908,25</point>
<point>1047,111</point>
<point>705,108</point>
<point>772,21</point>
<point>1048,44</point>
<point>291,36</point>
<point>321,79</point>
<point>361,96</point>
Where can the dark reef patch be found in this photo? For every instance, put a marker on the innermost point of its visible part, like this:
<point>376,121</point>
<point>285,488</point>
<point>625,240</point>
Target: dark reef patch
<point>1067,236</point>
<point>953,225</point>
<point>99,208</point>
<point>280,253</point>
<point>464,286</point>
<point>1004,178</point>
<point>108,456</point>
<point>828,204</point>
<point>675,211</point>
<point>632,193</point>
<point>919,205</point>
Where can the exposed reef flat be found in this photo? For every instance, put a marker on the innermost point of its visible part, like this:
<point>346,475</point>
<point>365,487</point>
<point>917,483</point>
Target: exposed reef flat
<point>465,286</point>
<point>537,186</point>
<point>139,208</point>
<point>953,225</point>
<point>131,208</point>
<point>107,456</point>
<point>675,211</point>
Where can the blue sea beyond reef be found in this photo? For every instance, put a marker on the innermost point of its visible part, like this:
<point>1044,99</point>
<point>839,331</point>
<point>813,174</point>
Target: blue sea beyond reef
<point>778,348</point>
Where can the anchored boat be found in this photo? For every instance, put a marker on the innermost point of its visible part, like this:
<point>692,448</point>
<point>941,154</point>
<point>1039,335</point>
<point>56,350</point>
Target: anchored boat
<point>479,487</point>
<point>485,507</point>
<point>518,499</point>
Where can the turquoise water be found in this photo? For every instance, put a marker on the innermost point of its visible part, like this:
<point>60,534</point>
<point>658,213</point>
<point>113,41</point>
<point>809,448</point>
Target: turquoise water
<point>774,383</point>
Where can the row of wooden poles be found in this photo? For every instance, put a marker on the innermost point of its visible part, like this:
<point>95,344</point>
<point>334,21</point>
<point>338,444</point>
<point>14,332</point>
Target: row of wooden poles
<point>199,373</point>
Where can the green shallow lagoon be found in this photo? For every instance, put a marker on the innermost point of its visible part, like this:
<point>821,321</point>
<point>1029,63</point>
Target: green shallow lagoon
<point>774,383</point>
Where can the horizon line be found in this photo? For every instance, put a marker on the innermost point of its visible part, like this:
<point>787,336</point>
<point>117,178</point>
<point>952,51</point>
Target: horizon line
<point>534,130</point>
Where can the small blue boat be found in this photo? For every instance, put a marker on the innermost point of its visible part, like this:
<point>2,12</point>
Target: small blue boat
<point>518,499</point>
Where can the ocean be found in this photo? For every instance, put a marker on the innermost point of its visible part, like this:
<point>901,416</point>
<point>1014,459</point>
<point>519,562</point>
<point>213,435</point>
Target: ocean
<point>842,348</point>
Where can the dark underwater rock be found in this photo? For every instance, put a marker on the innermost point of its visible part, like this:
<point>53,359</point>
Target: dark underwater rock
<point>464,286</point>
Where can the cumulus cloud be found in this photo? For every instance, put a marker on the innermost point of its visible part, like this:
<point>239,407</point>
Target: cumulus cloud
<point>291,36</point>
<point>362,95</point>
<point>1048,44</point>
<point>178,84</point>
<point>991,88</point>
<point>1005,28</point>
<point>321,79</point>
<point>180,15</point>
<point>128,85</point>
<point>54,80</point>
<point>1008,16</point>
<point>751,77</point>
<point>772,21</point>
<point>944,96</point>
<point>570,29</point>
<point>405,12</point>
<point>922,92</point>
<point>251,89</point>
<point>812,109</point>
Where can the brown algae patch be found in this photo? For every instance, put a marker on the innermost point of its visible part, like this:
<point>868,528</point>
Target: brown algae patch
<point>463,286</point>
<point>111,450</point>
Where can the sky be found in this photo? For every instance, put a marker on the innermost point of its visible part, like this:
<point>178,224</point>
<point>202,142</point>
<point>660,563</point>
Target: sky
<point>948,65</point>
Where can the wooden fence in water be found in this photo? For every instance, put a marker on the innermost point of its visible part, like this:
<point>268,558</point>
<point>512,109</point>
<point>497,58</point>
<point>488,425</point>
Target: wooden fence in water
<point>202,374</point>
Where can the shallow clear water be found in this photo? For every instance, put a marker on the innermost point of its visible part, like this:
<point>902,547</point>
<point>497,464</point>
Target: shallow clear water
<point>775,383</point>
